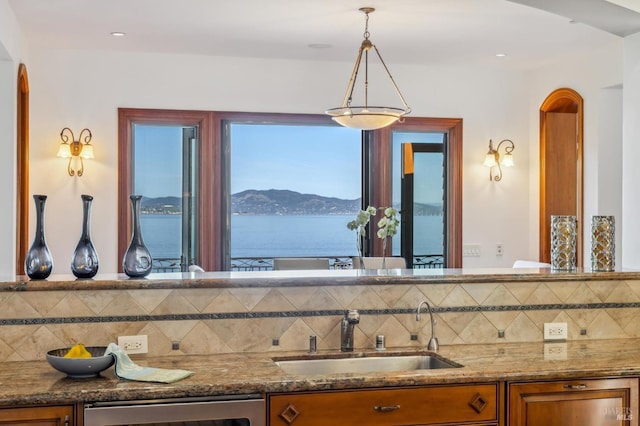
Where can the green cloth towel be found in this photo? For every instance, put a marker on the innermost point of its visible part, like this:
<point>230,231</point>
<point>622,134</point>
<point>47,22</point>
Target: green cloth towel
<point>127,369</point>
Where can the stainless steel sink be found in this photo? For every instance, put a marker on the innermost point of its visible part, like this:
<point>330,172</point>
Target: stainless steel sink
<point>363,364</point>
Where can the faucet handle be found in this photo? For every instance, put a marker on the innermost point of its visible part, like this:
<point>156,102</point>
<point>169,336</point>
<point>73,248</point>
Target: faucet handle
<point>352,316</point>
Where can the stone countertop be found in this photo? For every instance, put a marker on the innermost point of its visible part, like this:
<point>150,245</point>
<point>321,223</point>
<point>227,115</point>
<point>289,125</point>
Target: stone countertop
<point>309,278</point>
<point>36,382</point>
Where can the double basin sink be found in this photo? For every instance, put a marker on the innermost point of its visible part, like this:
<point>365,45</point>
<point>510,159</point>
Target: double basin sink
<point>362,363</point>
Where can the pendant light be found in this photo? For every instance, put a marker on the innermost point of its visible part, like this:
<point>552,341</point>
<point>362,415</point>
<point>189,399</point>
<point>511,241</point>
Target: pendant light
<point>367,117</point>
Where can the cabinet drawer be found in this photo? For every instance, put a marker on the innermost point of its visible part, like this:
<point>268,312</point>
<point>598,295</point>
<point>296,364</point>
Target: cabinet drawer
<point>401,406</point>
<point>590,402</point>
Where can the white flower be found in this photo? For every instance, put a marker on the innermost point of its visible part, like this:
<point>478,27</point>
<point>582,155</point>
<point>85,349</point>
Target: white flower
<point>388,225</point>
<point>361,220</point>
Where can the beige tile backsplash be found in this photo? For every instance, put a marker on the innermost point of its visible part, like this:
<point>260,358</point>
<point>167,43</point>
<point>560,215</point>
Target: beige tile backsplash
<point>30,340</point>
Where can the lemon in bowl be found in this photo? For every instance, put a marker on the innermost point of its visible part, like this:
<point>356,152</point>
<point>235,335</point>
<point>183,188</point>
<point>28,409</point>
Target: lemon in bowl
<point>80,362</point>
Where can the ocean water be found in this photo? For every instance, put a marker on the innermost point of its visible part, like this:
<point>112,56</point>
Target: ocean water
<point>285,236</point>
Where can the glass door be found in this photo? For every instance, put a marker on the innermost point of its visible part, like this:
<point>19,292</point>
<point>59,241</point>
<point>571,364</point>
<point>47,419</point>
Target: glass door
<point>165,173</point>
<point>422,198</point>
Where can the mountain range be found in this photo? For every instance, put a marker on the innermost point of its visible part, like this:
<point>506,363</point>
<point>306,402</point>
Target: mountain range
<point>279,202</point>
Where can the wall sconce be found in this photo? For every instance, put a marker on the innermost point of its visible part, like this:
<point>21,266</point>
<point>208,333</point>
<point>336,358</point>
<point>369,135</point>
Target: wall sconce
<point>493,159</point>
<point>75,149</point>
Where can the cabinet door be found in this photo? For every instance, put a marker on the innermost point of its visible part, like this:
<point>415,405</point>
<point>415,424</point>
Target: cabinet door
<point>37,416</point>
<point>474,404</point>
<point>605,402</point>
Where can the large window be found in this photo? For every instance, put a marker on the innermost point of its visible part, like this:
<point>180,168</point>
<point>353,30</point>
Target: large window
<point>294,186</point>
<point>259,186</point>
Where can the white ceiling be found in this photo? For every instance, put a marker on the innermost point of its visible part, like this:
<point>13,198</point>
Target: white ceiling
<point>433,32</point>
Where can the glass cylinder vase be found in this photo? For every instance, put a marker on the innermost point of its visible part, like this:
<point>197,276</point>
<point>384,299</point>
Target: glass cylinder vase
<point>38,263</point>
<point>563,243</point>
<point>137,260</point>
<point>84,262</point>
<point>603,242</point>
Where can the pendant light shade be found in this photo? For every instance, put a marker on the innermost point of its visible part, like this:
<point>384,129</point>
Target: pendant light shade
<point>366,117</point>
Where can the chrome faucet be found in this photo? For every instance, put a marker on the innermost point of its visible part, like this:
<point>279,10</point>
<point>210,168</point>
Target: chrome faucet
<point>349,321</point>
<point>433,342</point>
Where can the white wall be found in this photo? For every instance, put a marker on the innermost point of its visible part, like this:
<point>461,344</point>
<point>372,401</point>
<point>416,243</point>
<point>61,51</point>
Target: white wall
<point>10,55</point>
<point>631,151</point>
<point>84,89</point>
<point>590,75</point>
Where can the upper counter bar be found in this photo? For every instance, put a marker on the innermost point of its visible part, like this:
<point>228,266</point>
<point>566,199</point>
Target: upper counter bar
<point>311,278</point>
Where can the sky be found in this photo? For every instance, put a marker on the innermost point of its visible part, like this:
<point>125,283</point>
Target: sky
<point>322,160</point>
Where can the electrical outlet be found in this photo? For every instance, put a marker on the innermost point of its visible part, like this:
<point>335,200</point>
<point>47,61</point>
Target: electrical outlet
<point>134,344</point>
<point>499,249</point>
<point>555,331</point>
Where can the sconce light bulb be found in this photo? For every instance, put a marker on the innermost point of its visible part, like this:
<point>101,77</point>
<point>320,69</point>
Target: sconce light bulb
<point>490,159</point>
<point>507,160</point>
<point>87,152</point>
<point>64,150</point>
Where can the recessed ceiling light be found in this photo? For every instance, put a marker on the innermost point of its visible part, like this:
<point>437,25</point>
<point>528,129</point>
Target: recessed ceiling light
<point>118,34</point>
<point>320,45</point>
<point>501,55</point>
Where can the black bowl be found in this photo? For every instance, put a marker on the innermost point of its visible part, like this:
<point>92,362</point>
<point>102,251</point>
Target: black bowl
<point>80,368</point>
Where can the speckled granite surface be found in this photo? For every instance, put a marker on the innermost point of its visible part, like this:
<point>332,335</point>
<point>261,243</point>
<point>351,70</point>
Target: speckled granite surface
<point>306,278</point>
<point>35,382</point>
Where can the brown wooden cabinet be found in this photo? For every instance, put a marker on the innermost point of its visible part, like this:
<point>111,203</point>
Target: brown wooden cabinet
<point>601,402</point>
<point>37,416</point>
<point>477,404</point>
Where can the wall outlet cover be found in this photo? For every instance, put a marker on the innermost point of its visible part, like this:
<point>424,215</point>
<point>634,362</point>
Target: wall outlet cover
<point>555,331</point>
<point>134,344</point>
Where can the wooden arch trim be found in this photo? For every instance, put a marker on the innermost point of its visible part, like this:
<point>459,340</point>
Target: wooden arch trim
<point>22,169</point>
<point>563,100</point>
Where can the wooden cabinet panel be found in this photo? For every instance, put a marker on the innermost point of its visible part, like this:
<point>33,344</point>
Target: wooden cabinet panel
<point>574,403</point>
<point>477,404</point>
<point>37,416</point>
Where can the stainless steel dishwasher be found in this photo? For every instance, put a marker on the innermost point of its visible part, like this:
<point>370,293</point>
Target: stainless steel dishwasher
<point>233,410</point>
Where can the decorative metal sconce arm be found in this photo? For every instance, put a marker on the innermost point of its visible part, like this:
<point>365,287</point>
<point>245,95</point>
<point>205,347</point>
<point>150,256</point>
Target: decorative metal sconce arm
<point>72,147</point>
<point>493,158</point>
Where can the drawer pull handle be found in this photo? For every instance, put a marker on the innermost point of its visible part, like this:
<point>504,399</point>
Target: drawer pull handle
<point>577,387</point>
<point>383,409</point>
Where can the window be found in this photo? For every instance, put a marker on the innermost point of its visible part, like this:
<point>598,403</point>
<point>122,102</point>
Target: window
<point>166,175</point>
<point>293,187</point>
<point>246,169</point>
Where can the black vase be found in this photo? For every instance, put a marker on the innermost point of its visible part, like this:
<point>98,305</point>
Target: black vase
<point>137,260</point>
<point>38,263</point>
<point>84,263</point>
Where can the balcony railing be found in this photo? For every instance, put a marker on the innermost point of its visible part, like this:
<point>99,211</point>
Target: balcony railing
<point>424,261</point>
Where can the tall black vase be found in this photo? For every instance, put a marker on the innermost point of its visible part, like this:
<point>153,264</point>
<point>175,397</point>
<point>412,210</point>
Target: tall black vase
<point>38,263</point>
<point>84,263</point>
<point>137,260</point>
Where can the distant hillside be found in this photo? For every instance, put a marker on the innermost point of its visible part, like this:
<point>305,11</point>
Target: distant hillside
<point>279,202</point>
<point>161,205</point>
<point>285,202</point>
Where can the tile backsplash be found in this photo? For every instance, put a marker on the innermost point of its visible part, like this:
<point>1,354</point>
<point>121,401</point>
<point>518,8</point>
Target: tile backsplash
<point>217,320</point>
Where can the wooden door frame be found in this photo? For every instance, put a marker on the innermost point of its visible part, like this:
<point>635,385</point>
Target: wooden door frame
<point>22,169</point>
<point>562,100</point>
<point>208,243</point>
<point>382,178</point>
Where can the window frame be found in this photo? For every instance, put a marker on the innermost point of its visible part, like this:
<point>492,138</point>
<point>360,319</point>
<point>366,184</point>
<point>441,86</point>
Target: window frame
<point>208,247</point>
<point>377,169</point>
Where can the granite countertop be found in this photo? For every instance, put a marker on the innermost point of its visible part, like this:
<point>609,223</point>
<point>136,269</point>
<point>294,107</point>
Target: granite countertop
<point>36,382</point>
<point>310,277</point>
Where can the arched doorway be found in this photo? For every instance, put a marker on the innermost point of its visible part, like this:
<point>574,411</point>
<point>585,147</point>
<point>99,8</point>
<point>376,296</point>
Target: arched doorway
<point>561,165</point>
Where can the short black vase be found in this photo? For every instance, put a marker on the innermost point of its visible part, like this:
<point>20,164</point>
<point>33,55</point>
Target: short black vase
<point>84,263</point>
<point>137,260</point>
<point>38,263</point>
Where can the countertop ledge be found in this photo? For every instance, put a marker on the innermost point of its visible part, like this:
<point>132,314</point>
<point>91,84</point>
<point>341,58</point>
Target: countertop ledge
<point>36,382</point>
<point>332,277</point>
